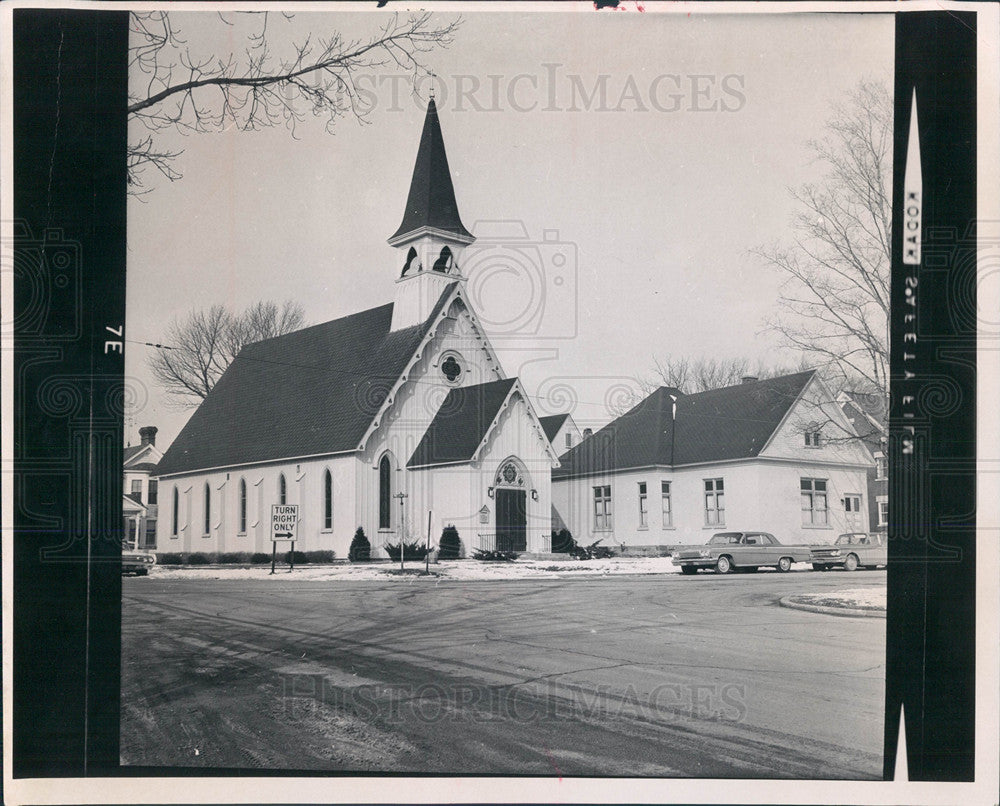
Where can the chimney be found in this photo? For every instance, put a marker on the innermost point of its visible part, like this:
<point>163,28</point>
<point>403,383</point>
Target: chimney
<point>749,379</point>
<point>588,432</point>
<point>147,435</point>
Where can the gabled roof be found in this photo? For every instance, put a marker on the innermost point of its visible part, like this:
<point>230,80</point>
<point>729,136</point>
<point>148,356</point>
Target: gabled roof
<point>131,451</point>
<point>308,393</point>
<point>552,424</point>
<point>461,423</point>
<point>865,411</point>
<point>431,201</point>
<point>149,467</point>
<point>734,422</point>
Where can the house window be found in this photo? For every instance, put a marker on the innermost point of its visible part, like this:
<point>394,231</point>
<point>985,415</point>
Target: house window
<point>668,518</point>
<point>881,466</point>
<point>136,494</point>
<point>384,494</point>
<point>327,500</point>
<point>643,506</point>
<point>715,503</point>
<point>175,507</point>
<point>243,506</point>
<point>812,439</point>
<point>152,490</point>
<point>602,507</point>
<point>282,490</point>
<point>883,510</point>
<point>814,509</point>
<point>569,439</point>
<point>208,510</point>
<point>852,504</point>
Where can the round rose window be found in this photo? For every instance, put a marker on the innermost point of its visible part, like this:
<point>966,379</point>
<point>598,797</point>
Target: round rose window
<point>451,369</point>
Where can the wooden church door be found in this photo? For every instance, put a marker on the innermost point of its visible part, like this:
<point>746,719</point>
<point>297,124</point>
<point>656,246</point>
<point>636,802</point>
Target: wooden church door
<point>512,520</point>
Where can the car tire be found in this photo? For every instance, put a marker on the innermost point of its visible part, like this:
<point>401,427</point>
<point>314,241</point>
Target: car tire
<point>723,565</point>
<point>851,562</point>
<point>689,570</point>
<point>785,564</point>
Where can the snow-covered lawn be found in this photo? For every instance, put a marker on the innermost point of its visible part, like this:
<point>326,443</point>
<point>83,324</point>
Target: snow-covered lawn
<point>449,569</point>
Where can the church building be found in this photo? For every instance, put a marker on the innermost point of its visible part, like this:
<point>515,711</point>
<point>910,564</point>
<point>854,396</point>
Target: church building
<point>399,419</point>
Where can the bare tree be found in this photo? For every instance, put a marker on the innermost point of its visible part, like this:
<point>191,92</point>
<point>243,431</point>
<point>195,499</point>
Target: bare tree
<point>203,344</point>
<point>691,375</point>
<point>171,88</point>
<point>834,303</point>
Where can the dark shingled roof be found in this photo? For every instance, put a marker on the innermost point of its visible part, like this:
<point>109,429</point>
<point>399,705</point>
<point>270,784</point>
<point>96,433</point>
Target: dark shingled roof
<point>431,202</point>
<point>131,451</point>
<point>461,423</point>
<point>311,392</point>
<point>734,422</point>
<point>552,424</point>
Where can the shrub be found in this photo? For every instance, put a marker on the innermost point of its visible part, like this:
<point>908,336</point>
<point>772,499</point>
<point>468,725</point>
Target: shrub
<point>563,542</point>
<point>169,559</point>
<point>320,556</point>
<point>450,545</point>
<point>592,552</point>
<point>411,551</point>
<point>234,557</point>
<point>361,549</point>
<point>259,558</point>
<point>300,557</point>
<point>495,556</point>
<point>199,558</point>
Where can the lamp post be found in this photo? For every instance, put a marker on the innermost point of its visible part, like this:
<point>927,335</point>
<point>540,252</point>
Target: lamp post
<point>402,531</point>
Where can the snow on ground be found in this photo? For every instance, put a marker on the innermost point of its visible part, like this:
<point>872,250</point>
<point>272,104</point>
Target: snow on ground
<point>450,569</point>
<point>860,598</point>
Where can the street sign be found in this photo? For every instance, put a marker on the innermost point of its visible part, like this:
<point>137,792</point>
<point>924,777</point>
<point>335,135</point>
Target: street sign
<point>284,520</point>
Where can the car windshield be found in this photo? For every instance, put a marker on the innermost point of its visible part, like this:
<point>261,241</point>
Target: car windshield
<point>725,538</point>
<point>847,540</point>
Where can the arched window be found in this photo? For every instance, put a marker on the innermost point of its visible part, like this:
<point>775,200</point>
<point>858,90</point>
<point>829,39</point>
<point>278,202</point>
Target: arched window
<point>327,500</point>
<point>208,509</point>
<point>282,490</point>
<point>411,258</point>
<point>443,263</point>
<point>243,506</point>
<point>384,493</point>
<point>174,509</point>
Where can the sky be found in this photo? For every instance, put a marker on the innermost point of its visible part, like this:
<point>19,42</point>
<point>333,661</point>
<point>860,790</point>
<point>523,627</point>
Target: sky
<point>611,229</point>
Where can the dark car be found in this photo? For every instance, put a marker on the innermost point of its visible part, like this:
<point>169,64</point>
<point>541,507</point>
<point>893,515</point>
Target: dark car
<point>136,561</point>
<point>728,551</point>
<point>852,551</point>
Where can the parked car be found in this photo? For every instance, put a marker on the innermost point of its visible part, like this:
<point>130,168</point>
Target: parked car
<point>852,551</point>
<point>136,561</point>
<point>728,551</point>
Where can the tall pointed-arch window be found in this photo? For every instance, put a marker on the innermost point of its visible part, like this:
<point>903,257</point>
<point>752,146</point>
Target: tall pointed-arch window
<point>208,509</point>
<point>243,506</point>
<point>282,490</point>
<point>174,511</point>
<point>384,493</point>
<point>327,500</point>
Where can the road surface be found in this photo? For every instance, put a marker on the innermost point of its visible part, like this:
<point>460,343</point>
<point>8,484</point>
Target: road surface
<point>700,676</point>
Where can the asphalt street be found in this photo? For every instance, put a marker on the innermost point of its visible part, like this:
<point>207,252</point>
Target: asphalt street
<point>701,676</point>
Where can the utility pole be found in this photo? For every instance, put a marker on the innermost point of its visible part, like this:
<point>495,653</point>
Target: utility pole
<point>402,531</point>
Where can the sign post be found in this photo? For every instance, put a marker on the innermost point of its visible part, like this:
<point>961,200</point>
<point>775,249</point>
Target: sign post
<point>402,531</point>
<point>284,523</point>
<point>427,556</point>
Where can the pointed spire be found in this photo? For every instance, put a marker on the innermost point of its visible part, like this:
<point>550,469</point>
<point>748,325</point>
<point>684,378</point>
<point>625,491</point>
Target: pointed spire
<point>431,203</point>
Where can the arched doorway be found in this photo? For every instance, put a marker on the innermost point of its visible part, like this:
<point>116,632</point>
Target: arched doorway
<point>510,490</point>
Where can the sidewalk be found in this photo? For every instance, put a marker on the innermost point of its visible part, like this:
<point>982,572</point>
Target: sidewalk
<point>856,603</point>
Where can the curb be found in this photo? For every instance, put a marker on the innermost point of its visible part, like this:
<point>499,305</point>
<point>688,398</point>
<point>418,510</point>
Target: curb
<point>850,612</point>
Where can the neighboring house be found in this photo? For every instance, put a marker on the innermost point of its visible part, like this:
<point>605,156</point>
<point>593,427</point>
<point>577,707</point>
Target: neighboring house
<point>140,488</point>
<point>399,419</point>
<point>867,415</point>
<point>562,431</point>
<point>677,468</point>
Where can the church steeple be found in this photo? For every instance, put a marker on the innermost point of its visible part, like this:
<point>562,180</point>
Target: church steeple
<point>431,205</point>
<point>431,239</point>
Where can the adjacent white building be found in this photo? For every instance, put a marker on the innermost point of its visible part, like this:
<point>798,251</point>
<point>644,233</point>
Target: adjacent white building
<point>399,419</point>
<point>140,505</point>
<point>769,455</point>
